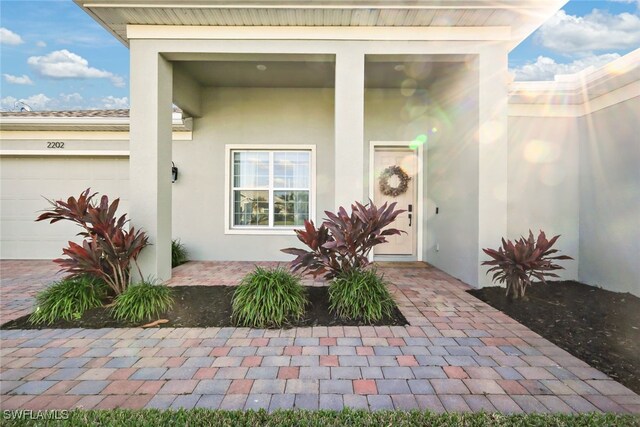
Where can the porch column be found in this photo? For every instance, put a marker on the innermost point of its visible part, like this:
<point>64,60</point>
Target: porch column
<point>493,143</point>
<point>150,156</point>
<point>349,128</point>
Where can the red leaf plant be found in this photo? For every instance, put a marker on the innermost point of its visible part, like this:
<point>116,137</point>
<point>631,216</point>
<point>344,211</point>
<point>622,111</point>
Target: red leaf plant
<point>516,263</point>
<point>343,242</point>
<point>110,244</point>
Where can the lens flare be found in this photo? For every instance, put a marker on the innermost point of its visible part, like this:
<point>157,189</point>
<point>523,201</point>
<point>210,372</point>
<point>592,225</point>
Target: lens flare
<point>409,165</point>
<point>418,141</point>
<point>539,151</point>
<point>408,87</point>
<point>490,131</point>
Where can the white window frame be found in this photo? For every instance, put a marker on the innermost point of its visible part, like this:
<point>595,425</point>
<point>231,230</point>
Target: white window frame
<point>228,194</point>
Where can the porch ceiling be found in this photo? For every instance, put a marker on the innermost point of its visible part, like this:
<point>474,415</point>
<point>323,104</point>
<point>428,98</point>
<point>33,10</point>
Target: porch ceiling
<point>312,74</point>
<point>523,16</point>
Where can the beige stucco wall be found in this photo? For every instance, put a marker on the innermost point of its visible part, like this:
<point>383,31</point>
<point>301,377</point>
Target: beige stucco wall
<point>246,116</point>
<point>543,182</point>
<point>610,198</point>
<point>452,177</point>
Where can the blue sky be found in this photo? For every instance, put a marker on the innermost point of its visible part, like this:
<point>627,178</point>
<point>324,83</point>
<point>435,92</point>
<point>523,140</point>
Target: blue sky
<point>54,56</point>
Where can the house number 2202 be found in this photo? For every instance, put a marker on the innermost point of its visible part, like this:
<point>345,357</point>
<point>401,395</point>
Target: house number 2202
<point>55,144</point>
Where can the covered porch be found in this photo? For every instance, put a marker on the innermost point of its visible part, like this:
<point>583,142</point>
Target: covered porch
<point>340,106</point>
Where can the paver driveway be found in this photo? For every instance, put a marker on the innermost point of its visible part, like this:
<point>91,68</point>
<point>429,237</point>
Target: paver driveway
<point>458,354</point>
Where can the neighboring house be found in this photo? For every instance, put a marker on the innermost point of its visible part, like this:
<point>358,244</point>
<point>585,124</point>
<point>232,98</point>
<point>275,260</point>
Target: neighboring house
<point>296,108</point>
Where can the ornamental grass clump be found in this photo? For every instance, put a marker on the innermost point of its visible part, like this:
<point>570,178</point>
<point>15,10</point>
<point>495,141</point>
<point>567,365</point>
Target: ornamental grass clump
<point>268,298</point>
<point>68,299</point>
<point>516,263</point>
<point>361,295</point>
<point>178,253</point>
<point>142,302</point>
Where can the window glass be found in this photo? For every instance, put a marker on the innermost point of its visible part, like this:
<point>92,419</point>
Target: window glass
<point>291,169</point>
<point>251,169</point>
<point>290,208</point>
<point>270,189</point>
<point>251,207</point>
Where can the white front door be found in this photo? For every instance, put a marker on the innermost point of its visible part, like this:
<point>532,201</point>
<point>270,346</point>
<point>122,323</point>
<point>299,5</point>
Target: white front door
<point>395,175</point>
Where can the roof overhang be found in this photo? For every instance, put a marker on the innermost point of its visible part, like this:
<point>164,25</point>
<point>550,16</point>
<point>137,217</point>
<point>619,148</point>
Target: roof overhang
<point>522,16</point>
<point>622,74</point>
<point>43,121</point>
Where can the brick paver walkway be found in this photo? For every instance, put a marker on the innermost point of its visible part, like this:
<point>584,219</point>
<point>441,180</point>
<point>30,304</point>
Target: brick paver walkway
<point>458,354</point>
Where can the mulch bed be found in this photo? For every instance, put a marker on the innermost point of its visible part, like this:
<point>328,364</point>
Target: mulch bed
<point>208,306</point>
<point>598,326</point>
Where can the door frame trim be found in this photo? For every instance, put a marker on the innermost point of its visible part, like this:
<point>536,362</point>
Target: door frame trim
<point>420,176</point>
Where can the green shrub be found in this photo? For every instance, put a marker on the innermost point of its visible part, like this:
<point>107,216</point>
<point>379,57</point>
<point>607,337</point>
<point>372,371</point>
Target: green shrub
<point>178,253</point>
<point>111,245</point>
<point>344,240</point>
<point>361,294</point>
<point>142,301</point>
<point>268,298</point>
<point>516,263</point>
<point>68,299</point>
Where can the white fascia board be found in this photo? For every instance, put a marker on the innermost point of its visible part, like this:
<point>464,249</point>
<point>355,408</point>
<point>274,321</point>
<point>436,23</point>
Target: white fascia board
<point>77,121</point>
<point>178,32</point>
<point>81,135</point>
<point>64,153</point>
<point>319,4</point>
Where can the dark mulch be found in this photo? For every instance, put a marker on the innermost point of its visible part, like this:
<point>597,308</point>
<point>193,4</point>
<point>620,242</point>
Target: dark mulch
<point>598,326</point>
<point>208,306</point>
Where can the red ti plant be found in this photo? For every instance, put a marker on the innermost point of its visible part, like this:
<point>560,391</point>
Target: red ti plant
<point>343,242</point>
<point>517,262</point>
<point>108,249</point>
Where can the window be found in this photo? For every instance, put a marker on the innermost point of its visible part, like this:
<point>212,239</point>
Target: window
<point>270,189</point>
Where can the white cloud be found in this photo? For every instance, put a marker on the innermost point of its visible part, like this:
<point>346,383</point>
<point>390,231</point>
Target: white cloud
<point>547,68</point>
<point>596,31</point>
<point>41,43</point>
<point>111,102</point>
<point>66,101</point>
<point>36,102</point>
<point>7,103</point>
<point>18,80</point>
<point>637,2</point>
<point>71,97</point>
<point>9,37</point>
<point>62,64</point>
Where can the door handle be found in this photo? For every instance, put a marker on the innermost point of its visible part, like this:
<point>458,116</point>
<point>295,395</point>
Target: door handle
<point>409,220</point>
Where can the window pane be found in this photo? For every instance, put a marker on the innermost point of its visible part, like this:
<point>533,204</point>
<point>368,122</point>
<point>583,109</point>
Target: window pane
<point>251,169</point>
<point>290,207</point>
<point>251,207</point>
<point>291,169</point>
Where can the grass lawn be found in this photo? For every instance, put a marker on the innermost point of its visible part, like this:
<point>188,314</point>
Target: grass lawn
<point>204,417</point>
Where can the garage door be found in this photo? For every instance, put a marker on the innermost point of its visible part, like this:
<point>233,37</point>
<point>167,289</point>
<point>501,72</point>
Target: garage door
<point>26,181</point>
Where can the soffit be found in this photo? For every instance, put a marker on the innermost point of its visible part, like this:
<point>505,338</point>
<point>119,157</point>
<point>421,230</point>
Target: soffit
<point>523,16</point>
<point>313,74</point>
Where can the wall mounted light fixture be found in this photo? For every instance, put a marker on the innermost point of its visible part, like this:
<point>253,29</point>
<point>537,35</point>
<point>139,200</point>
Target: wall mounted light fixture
<point>174,172</point>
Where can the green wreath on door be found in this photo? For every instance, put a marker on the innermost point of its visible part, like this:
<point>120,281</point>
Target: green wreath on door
<point>387,174</point>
